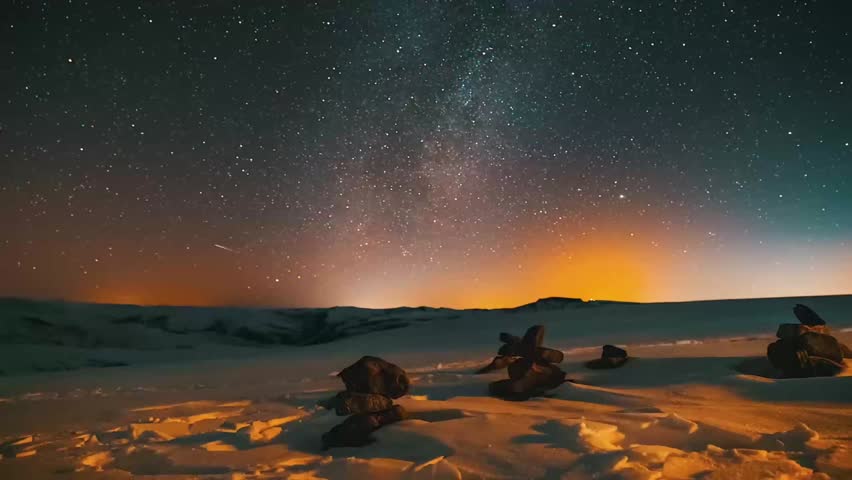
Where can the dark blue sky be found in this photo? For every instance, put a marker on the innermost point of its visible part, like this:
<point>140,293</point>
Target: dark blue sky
<point>463,153</point>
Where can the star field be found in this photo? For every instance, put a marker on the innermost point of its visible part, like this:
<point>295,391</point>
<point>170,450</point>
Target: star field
<point>472,154</point>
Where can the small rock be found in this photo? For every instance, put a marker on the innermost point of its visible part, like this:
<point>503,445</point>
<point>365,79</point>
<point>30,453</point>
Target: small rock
<point>611,351</point>
<point>374,375</point>
<point>611,357</point>
<point>807,316</point>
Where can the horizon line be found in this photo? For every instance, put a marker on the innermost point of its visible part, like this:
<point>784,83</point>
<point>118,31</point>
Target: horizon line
<point>273,307</point>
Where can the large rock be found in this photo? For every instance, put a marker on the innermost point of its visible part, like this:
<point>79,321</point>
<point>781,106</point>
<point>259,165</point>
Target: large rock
<point>535,382</point>
<point>808,355</point>
<point>374,375</point>
<point>795,363</point>
<point>355,431</point>
<point>807,316</point>
<point>347,403</point>
<point>528,378</point>
<point>820,345</point>
<point>611,357</point>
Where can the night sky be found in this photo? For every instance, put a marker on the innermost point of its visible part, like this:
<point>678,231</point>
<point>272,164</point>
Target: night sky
<point>443,153</point>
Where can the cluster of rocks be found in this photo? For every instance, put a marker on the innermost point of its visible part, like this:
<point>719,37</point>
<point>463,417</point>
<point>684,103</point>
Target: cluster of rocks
<point>611,357</point>
<point>807,348</point>
<point>371,385</point>
<point>531,366</point>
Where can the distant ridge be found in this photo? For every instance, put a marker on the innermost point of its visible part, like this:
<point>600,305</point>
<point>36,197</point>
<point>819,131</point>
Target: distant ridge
<point>557,303</point>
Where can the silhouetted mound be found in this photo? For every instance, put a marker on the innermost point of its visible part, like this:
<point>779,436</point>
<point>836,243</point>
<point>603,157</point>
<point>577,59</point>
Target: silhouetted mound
<point>374,375</point>
<point>550,303</point>
<point>807,349</point>
<point>611,357</point>
<point>531,369</point>
<point>371,383</point>
<point>355,431</point>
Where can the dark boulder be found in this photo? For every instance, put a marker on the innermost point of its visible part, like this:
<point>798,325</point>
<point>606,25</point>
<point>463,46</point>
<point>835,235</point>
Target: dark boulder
<point>611,357</point>
<point>807,316</point>
<point>498,363</point>
<point>347,403</point>
<point>808,355</point>
<point>533,378</point>
<point>820,345</point>
<point>374,375</point>
<point>795,363</point>
<point>611,351</point>
<point>355,431</point>
<point>533,381</point>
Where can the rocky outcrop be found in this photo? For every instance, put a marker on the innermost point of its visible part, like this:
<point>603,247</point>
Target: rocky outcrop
<point>806,349</point>
<point>374,375</point>
<point>529,346</point>
<point>530,365</point>
<point>371,385</point>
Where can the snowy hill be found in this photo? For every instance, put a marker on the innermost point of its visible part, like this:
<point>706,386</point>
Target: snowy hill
<point>231,393</point>
<point>76,335</point>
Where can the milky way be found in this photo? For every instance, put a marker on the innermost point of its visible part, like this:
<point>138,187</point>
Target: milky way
<point>447,153</point>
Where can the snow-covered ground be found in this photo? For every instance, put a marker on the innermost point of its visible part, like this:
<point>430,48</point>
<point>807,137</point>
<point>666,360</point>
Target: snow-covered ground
<point>92,391</point>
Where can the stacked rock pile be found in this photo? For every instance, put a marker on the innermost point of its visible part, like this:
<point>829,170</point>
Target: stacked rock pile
<point>371,385</point>
<point>531,366</point>
<point>514,348</point>
<point>807,348</point>
<point>611,357</point>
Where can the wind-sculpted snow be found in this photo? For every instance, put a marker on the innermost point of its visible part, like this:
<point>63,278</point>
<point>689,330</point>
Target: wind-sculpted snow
<point>234,393</point>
